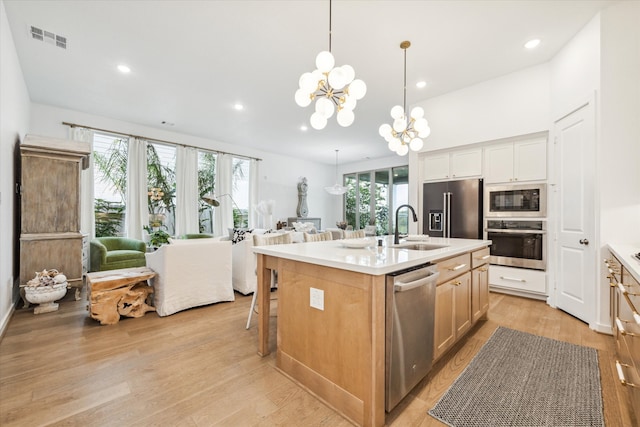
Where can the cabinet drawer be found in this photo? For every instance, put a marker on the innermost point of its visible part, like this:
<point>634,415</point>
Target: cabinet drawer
<point>452,267</point>
<point>479,257</point>
<point>518,278</point>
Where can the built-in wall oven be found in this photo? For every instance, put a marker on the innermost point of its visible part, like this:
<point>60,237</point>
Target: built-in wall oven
<point>516,200</point>
<point>517,243</point>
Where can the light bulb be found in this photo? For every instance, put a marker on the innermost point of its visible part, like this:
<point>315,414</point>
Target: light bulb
<point>349,73</point>
<point>420,124</point>
<point>325,107</point>
<point>384,130</point>
<point>416,144</point>
<point>399,124</point>
<point>318,121</point>
<point>357,89</point>
<point>325,61</point>
<point>337,78</point>
<point>425,133</point>
<point>308,83</point>
<point>417,113</point>
<point>345,117</point>
<point>397,112</point>
<point>303,98</point>
<point>402,150</point>
<point>394,144</point>
<point>349,102</point>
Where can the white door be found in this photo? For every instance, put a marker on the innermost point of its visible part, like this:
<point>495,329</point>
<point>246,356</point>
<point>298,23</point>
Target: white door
<point>576,246</point>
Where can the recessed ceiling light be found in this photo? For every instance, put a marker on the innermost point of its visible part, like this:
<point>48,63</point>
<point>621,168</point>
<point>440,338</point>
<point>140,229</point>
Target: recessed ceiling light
<point>124,69</point>
<point>532,43</point>
<point>421,84</point>
<point>304,128</point>
<point>238,107</point>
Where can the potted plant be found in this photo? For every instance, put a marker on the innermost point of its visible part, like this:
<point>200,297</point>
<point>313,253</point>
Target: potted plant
<point>158,237</point>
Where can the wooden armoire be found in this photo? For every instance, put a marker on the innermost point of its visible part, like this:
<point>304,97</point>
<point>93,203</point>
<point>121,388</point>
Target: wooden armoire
<point>49,190</point>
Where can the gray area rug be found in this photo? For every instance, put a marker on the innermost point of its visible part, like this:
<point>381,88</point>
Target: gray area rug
<point>519,379</point>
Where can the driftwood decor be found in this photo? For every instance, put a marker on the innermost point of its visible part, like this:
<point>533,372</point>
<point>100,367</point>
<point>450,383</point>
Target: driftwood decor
<point>116,293</point>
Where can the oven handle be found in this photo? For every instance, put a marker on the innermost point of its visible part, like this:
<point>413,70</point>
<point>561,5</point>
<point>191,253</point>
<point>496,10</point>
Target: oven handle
<point>502,230</point>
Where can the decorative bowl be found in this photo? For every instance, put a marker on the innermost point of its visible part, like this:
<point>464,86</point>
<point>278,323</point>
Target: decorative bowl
<point>45,296</point>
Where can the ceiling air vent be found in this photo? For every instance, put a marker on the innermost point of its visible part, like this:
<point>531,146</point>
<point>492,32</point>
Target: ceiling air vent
<point>48,37</point>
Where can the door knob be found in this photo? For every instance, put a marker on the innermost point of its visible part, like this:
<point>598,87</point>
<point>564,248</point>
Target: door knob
<point>584,242</point>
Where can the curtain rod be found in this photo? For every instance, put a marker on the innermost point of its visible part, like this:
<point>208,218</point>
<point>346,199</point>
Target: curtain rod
<point>75,125</point>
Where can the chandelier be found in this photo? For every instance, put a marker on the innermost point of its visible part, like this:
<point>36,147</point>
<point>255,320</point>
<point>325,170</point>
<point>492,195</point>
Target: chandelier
<point>405,132</point>
<point>334,89</point>
<point>336,189</point>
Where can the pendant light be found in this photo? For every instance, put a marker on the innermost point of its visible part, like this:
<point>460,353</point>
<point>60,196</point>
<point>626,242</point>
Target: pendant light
<point>336,189</point>
<point>333,88</point>
<point>406,132</point>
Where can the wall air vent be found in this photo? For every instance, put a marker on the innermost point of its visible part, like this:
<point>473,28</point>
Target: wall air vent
<point>48,37</point>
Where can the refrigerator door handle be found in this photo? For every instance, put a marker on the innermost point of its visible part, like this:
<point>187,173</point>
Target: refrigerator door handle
<point>445,214</point>
<point>447,205</point>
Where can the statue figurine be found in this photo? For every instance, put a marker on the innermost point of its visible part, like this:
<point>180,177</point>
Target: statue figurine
<point>302,211</point>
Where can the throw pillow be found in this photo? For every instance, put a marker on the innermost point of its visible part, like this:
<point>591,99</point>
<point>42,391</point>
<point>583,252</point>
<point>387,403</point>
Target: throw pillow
<point>239,234</point>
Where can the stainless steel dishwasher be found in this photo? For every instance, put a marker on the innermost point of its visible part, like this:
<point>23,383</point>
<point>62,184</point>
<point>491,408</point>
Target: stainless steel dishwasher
<point>410,304</point>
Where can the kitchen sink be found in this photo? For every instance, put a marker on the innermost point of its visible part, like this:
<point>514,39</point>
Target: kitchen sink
<point>419,246</point>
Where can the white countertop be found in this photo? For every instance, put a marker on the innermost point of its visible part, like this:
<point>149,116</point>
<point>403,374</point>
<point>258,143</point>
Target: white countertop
<point>624,254</point>
<point>372,260</point>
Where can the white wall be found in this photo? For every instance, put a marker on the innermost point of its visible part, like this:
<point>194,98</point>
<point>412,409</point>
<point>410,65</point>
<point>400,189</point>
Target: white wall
<point>619,153</point>
<point>14,120</point>
<point>514,104</point>
<point>619,144</point>
<point>278,174</point>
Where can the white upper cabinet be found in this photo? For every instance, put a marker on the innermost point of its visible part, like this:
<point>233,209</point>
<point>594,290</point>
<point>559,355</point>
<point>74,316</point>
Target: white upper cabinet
<point>451,165</point>
<point>516,161</point>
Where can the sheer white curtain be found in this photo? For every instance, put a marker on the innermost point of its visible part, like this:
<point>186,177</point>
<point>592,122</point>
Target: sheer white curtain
<point>137,211</point>
<point>254,192</point>
<point>186,191</point>
<point>87,202</point>
<point>224,212</point>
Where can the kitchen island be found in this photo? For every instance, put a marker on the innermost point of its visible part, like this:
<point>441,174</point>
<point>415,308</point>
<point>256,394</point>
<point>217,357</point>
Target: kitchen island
<point>331,315</point>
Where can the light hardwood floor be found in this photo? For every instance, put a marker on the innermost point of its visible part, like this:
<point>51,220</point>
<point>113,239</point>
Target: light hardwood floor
<point>200,368</point>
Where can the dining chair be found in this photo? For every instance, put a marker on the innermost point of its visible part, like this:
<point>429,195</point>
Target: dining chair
<point>318,237</point>
<point>265,240</point>
<point>355,234</point>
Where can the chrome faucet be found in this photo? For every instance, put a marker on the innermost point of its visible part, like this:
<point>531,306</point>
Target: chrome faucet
<point>396,235</point>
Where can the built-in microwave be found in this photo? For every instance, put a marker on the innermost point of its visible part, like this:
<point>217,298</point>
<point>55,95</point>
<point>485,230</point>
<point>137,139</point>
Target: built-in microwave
<point>516,200</point>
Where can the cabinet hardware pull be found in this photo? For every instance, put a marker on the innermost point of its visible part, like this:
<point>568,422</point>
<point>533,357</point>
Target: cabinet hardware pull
<point>457,267</point>
<point>624,290</point>
<point>623,381</point>
<point>482,269</point>
<point>482,258</point>
<point>513,279</point>
<point>636,315</point>
<point>457,283</point>
<point>623,331</point>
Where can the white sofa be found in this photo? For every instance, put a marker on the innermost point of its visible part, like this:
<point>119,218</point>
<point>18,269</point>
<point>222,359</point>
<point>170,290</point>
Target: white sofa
<point>191,273</point>
<point>245,262</point>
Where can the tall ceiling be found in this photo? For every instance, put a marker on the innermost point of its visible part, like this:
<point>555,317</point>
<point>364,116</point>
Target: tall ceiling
<point>191,61</point>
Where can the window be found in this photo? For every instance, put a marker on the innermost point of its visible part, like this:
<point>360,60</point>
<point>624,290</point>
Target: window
<point>110,177</point>
<point>389,188</point>
<point>240,192</point>
<point>206,184</point>
<point>161,176</point>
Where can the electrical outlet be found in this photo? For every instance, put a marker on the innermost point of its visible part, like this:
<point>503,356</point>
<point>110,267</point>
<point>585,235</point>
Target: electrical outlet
<point>316,298</point>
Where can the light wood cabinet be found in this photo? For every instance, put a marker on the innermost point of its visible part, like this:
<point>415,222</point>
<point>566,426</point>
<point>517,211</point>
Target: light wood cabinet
<point>452,313</point>
<point>516,161</point>
<point>479,284</point>
<point>626,328</point>
<point>50,235</point>
<point>453,302</point>
<point>450,165</point>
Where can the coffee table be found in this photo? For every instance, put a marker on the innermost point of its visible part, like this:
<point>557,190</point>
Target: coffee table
<point>116,293</point>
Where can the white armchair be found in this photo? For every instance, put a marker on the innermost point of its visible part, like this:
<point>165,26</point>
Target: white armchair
<point>191,273</point>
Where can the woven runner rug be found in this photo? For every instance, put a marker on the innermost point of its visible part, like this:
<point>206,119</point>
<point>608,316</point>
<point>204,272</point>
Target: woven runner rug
<point>519,379</point>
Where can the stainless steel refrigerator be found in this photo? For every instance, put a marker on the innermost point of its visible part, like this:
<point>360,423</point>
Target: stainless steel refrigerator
<point>453,209</point>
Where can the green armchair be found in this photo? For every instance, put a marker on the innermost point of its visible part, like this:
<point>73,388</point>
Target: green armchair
<point>111,253</point>
<point>196,236</point>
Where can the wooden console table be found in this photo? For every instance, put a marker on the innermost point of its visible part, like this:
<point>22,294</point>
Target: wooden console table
<point>116,293</point>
